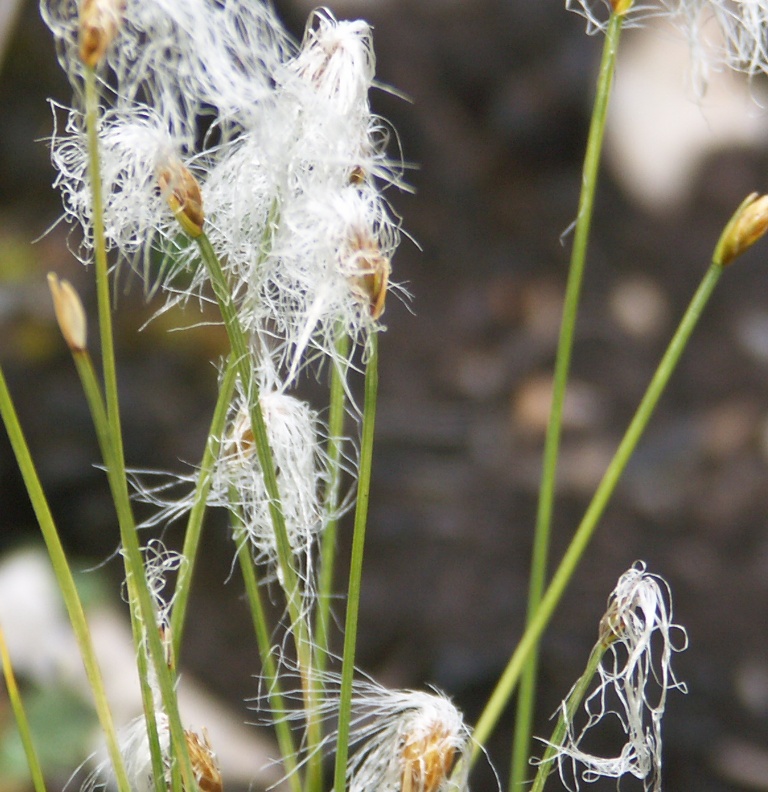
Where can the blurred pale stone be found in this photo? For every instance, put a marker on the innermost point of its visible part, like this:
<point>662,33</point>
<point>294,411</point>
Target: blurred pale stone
<point>657,133</point>
<point>751,684</point>
<point>742,763</point>
<point>640,307</point>
<point>530,409</point>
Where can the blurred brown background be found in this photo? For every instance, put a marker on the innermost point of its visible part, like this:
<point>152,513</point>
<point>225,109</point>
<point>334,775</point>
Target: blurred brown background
<point>499,101</point>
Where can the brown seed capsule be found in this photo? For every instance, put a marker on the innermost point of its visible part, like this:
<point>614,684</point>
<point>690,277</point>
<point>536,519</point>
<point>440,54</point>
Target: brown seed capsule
<point>69,313</point>
<point>427,760</point>
<point>370,279</point>
<point>204,764</point>
<point>99,24</point>
<point>357,175</point>
<point>182,192</point>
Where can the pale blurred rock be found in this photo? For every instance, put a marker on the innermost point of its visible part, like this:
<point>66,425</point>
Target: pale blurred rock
<point>640,308</point>
<point>582,408</point>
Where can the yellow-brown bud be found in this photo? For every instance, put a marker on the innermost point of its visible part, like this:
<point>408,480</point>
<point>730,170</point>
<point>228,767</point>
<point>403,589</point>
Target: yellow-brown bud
<point>99,24</point>
<point>69,313</point>
<point>620,7</point>
<point>748,224</point>
<point>182,192</point>
<point>203,761</point>
<point>427,760</point>
<point>371,278</point>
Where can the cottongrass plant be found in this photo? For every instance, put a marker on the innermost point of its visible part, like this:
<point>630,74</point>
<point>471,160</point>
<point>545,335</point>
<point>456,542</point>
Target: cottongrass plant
<point>230,165</point>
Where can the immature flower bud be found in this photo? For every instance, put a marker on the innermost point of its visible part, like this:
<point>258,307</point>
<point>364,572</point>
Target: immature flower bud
<point>182,192</point>
<point>99,23</point>
<point>204,763</point>
<point>69,313</point>
<point>621,6</point>
<point>748,224</point>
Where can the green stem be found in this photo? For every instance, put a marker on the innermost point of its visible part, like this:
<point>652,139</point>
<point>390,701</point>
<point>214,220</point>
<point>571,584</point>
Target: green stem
<point>539,560</point>
<point>114,456</point>
<point>140,600</point>
<point>242,358</point>
<point>331,498</point>
<point>575,697</point>
<point>202,489</point>
<point>289,579</point>
<point>356,564</point>
<point>570,561</point>
<point>64,578</point>
<point>22,724</point>
<point>268,665</point>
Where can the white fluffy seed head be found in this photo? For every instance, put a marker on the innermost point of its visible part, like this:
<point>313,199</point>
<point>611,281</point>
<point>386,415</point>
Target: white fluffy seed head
<point>327,271</point>
<point>399,740</point>
<point>133,147</point>
<point>301,466</point>
<point>190,56</point>
<point>406,740</point>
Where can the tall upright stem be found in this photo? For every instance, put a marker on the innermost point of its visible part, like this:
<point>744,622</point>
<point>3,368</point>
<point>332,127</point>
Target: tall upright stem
<point>541,542</point>
<point>356,564</point>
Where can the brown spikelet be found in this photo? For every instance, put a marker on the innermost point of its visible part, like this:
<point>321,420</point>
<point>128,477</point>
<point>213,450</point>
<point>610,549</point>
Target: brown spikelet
<point>204,764</point>
<point>748,224</point>
<point>427,760</point>
<point>182,192</point>
<point>370,278</point>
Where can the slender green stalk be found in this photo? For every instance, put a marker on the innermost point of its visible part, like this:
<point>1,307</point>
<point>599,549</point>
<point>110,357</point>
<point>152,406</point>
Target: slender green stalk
<point>289,578</point>
<point>269,668</point>
<point>356,563</point>
<point>141,605</point>
<point>539,560</point>
<point>244,365</point>
<point>578,545</point>
<point>575,697</point>
<point>331,499</point>
<point>195,521</point>
<point>138,592</point>
<point>22,723</point>
<point>64,578</point>
<point>106,335</point>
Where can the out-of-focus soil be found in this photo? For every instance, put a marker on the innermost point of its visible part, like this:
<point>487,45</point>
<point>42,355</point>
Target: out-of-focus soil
<point>499,102</point>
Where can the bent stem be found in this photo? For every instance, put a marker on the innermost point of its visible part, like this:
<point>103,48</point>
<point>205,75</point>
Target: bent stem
<point>541,541</point>
<point>567,713</point>
<point>586,529</point>
<point>356,564</point>
<point>64,579</point>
